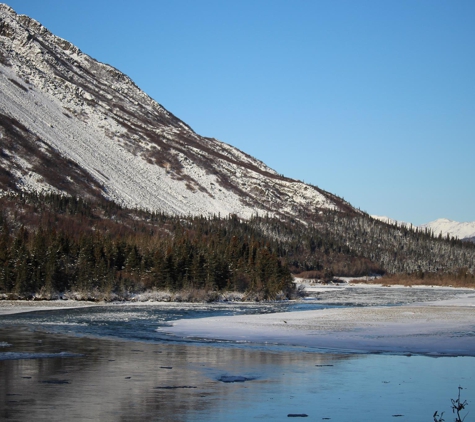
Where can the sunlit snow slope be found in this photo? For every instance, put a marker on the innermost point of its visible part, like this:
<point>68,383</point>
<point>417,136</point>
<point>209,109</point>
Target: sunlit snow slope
<point>452,228</point>
<point>73,125</point>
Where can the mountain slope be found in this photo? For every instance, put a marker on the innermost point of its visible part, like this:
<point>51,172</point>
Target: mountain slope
<point>72,125</point>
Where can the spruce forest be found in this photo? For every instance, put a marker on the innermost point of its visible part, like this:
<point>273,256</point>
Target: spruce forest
<point>52,245</point>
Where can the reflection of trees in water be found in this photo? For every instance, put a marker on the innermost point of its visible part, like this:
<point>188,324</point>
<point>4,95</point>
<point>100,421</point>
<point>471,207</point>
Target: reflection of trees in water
<point>118,380</point>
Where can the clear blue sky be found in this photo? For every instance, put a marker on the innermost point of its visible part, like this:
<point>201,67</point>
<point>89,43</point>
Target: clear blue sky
<point>371,100</point>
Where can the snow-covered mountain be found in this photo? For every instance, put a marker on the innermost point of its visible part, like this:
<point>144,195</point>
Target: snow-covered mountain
<point>442,226</point>
<point>453,228</point>
<point>73,125</point>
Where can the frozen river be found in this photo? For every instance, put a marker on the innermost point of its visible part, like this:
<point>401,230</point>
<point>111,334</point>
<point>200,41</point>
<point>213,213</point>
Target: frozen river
<point>120,363</point>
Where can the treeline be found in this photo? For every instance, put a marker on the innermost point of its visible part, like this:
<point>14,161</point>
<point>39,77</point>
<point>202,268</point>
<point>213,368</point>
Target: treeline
<point>52,244</point>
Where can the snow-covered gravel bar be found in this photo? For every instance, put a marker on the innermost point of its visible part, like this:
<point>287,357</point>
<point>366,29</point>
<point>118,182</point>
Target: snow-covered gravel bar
<point>436,328</point>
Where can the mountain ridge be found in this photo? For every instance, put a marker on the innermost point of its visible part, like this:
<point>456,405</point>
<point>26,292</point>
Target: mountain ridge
<point>61,106</point>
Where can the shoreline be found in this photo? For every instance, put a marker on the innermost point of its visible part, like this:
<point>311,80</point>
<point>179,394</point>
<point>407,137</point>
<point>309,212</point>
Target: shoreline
<point>437,328</point>
<point>11,307</point>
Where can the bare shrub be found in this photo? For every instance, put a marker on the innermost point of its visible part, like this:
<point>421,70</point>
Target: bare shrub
<point>457,406</point>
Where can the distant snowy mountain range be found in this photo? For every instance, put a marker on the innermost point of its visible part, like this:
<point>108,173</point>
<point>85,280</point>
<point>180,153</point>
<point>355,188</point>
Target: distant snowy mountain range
<point>453,228</point>
<point>72,125</point>
<point>442,225</point>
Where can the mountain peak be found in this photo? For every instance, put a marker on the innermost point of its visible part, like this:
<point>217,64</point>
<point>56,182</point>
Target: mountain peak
<point>442,220</point>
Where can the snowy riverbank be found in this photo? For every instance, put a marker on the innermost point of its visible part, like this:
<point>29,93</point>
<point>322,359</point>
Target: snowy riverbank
<point>442,327</point>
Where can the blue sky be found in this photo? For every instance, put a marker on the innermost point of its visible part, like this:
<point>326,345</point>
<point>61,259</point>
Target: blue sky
<point>371,100</point>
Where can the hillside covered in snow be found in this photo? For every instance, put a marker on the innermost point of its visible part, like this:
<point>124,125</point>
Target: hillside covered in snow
<point>75,126</point>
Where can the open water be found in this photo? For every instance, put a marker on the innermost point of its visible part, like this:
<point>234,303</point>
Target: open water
<point>116,363</point>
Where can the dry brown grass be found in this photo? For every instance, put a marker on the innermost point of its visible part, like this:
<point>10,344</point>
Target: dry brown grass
<point>462,279</point>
